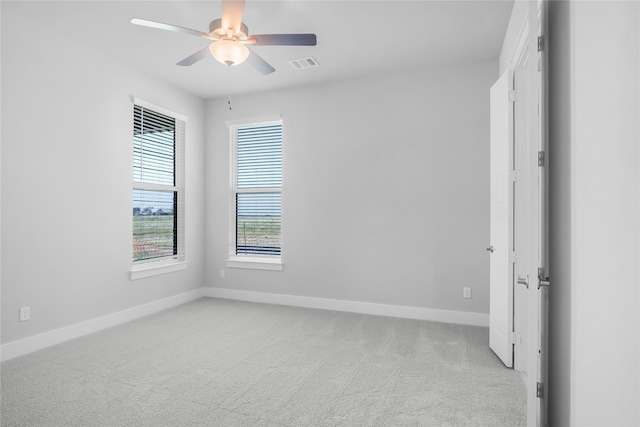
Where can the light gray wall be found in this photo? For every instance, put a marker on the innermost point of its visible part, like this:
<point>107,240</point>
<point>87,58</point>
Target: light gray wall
<point>594,299</point>
<point>66,181</point>
<point>605,142</point>
<point>385,194</point>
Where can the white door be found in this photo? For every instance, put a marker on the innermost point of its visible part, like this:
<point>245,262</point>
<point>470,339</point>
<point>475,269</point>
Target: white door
<point>521,208</point>
<point>501,220</point>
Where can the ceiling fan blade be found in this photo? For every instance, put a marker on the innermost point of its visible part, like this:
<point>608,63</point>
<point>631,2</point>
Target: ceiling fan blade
<point>199,55</point>
<point>174,28</point>
<point>232,15</point>
<point>259,64</point>
<point>284,39</point>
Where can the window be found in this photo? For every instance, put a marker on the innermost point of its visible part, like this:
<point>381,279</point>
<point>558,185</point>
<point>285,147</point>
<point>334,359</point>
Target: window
<point>158,193</point>
<point>256,184</point>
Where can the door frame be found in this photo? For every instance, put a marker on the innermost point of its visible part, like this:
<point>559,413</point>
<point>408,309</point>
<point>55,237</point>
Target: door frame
<point>539,295</point>
<point>537,251</point>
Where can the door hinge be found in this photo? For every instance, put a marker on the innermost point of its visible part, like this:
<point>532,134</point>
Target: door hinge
<point>513,176</point>
<point>540,390</point>
<point>514,338</point>
<point>513,95</point>
<point>513,256</point>
<point>540,43</point>
<point>541,161</point>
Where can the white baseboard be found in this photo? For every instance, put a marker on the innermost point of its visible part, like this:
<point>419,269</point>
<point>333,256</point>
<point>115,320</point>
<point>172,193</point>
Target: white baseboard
<point>57,336</point>
<point>37,342</point>
<point>419,313</point>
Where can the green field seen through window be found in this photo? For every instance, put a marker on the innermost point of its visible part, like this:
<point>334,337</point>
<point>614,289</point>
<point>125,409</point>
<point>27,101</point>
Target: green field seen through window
<point>153,234</point>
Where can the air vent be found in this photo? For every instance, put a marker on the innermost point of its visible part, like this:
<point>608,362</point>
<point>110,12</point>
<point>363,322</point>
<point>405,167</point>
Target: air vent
<point>302,63</point>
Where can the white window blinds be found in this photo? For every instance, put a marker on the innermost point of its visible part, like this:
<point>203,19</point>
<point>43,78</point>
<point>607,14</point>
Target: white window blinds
<point>256,189</point>
<point>158,196</point>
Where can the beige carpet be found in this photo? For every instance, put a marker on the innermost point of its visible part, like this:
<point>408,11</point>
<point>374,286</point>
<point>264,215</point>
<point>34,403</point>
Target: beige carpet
<point>216,362</point>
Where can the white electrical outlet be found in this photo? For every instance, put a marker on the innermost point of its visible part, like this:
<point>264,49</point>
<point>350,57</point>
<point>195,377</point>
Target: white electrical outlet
<point>25,314</point>
<point>222,274</point>
<point>466,292</point>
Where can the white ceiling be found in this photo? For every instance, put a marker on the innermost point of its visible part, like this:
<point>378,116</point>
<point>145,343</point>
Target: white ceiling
<point>355,38</point>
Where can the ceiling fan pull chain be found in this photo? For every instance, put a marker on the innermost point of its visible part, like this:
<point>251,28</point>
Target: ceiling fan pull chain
<point>229,86</point>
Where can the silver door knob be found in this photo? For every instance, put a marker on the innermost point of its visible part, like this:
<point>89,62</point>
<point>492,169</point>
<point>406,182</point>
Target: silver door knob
<point>523,281</point>
<point>491,249</point>
<point>543,279</point>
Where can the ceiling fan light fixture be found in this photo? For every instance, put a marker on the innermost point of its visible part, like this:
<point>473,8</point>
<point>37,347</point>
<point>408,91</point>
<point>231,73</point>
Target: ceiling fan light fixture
<point>229,52</point>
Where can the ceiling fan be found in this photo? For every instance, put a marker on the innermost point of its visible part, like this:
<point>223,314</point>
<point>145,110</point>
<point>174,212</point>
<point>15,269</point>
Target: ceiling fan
<point>230,39</point>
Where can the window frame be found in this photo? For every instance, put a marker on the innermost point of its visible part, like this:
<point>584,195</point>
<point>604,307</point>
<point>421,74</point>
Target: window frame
<point>175,262</point>
<point>256,262</point>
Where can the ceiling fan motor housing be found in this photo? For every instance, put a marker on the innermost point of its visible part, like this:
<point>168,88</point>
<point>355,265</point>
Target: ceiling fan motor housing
<point>215,27</point>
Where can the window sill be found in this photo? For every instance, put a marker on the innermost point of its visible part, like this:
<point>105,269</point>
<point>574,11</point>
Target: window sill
<point>155,269</point>
<point>273,264</point>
